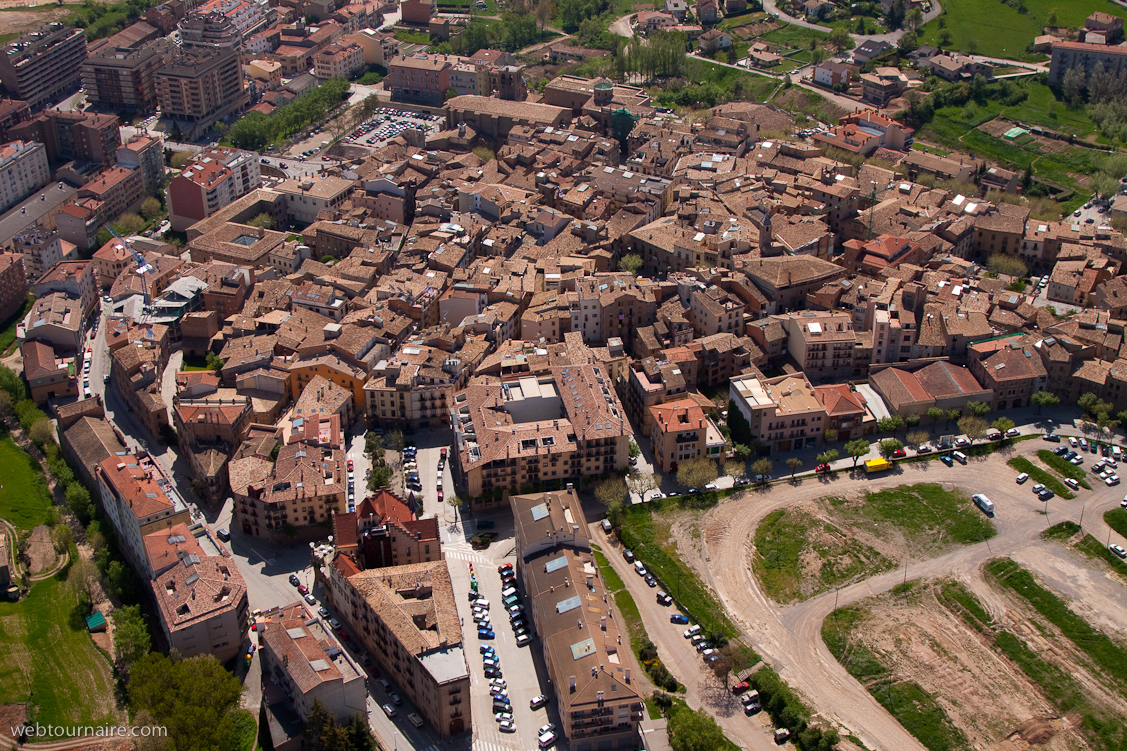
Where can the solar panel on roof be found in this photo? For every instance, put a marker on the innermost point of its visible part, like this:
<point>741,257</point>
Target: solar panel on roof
<point>555,564</point>
<point>570,603</point>
<point>539,512</point>
<point>583,649</point>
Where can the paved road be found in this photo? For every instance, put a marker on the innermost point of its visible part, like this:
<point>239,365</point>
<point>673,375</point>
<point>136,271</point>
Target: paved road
<point>789,637</point>
<point>702,689</point>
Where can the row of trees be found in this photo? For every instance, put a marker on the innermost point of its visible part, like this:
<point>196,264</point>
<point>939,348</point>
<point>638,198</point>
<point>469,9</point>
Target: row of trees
<point>254,131</point>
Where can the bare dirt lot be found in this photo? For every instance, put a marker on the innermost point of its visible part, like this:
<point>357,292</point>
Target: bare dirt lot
<point>19,21</point>
<point>40,549</point>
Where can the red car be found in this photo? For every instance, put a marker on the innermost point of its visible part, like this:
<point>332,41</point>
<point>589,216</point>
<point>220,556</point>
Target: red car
<point>349,465</point>
<point>303,590</point>
<point>439,495</point>
<point>443,452</point>
<point>739,688</point>
<point>899,454</point>
<point>822,468</point>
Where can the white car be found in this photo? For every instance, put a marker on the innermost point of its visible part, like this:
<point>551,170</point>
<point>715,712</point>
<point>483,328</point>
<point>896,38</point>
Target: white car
<point>960,442</point>
<point>507,726</point>
<point>546,729</point>
<point>1071,483</point>
<point>1022,478</point>
<point>503,716</point>
<point>1077,460</point>
<point>1038,488</point>
<point>1110,481</point>
<point>1073,442</point>
<point>1013,433</point>
<point>547,739</point>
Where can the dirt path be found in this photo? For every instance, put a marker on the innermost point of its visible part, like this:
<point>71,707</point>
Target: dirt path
<point>790,637</point>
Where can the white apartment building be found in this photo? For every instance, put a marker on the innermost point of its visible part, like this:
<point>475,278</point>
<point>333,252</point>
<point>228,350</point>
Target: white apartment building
<point>214,179</point>
<point>23,170</point>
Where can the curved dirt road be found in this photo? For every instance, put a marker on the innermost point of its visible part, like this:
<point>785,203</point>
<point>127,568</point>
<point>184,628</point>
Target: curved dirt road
<point>789,637</point>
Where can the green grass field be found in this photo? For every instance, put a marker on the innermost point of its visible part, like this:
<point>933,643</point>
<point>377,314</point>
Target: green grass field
<point>1117,520</point>
<point>51,665</point>
<point>926,515</point>
<point>787,538</point>
<point>988,27</point>
<point>1021,464</point>
<point>24,499</point>
<point>8,333</point>
<point>1064,468</point>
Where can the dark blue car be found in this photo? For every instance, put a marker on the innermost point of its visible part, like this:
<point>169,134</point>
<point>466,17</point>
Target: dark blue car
<point>678,618</point>
<point>485,633</point>
<point>946,459</point>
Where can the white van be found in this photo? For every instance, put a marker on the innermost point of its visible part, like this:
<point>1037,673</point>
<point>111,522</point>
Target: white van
<point>960,457</point>
<point>509,592</point>
<point>639,568</point>
<point>415,720</point>
<point>606,526</point>
<point>983,503</point>
<point>482,603</point>
<point>1116,453</point>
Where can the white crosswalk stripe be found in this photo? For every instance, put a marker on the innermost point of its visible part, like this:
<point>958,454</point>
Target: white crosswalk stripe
<point>464,555</point>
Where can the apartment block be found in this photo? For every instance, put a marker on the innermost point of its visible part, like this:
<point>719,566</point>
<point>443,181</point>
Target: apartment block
<point>212,180</point>
<point>12,112</point>
<point>384,531</point>
<point>302,489</point>
<point>55,319</point>
<point>1010,368</point>
<point>42,249</point>
<point>48,375</point>
<point>123,79</point>
<point>415,388</point>
<point>201,596</point>
<point>592,671</point>
<point>822,345</point>
<point>420,77</point>
<point>914,388</point>
<point>44,65</point>
<point>138,499</point>
<point>201,85</point>
<point>144,154</point>
<point>338,60</point>
<point>550,428</point>
<point>609,305</point>
<point>302,655</point>
<point>76,279</point>
<point>23,170</point>
<point>378,47</point>
<point>13,284</point>
<point>784,413</point>
<point>680,431</point>
<point>407,619</point>
<point>77,136</point>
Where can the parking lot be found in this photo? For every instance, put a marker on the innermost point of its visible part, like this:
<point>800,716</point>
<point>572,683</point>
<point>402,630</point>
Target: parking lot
<point>387,123</point>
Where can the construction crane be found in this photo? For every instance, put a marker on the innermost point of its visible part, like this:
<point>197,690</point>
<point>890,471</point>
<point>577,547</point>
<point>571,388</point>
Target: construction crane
<point>872,204</point>
<point>143,266</point>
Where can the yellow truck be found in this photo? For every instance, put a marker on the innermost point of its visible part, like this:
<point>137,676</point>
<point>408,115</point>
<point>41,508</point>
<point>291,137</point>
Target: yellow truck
<point>877,465</point>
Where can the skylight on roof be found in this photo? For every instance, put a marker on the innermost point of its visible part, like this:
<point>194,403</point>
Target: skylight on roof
<point>570,603</point>
<point>539,512</point>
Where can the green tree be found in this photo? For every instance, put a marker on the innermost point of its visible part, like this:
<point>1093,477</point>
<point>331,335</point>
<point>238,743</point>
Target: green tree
<point>12,384</point>
<point>908,42</point>
<point>180,159</point>
<point>889,446</point>
<point>1088,402</point>
<point>762,469</point>
<point>840,39</point>
<point>890,424</point>
<point>973,427</point>
<point>1045,399</point>
<point>128,224</point>
<point>1000,263</point>
<point>451,92</point>
<point>741,428</point>
<point>263,221</point>
<point>830,435</point>
<point>944,38</point>
<point>633,450</point>
<point>78,500</point>
<point>696,473</point>
<point>817,55</point>
<point>917,437</point>
<point>826,457</point>
<point>935,414</point>
<point>1072,86</point>
<point>1104,423</point>
<point>952,414</point>
<point>914,18</point>
<point>40,432</point>
<point>794,464</point>
<point>395,441</point>
<point>735,468</point>
<point>611,491</point>
<point>1002,424</point>
<point>1104,185</point>
<point>1051,19</point>
<point>195,699</point>
<point>631,262</point>
<point>980,409</point>
<point>695,731</point>
<point>380,477</point>
<point>856,449</point>
<point>214,362</point>
<point>151,208</point>
<point>131,636</point>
